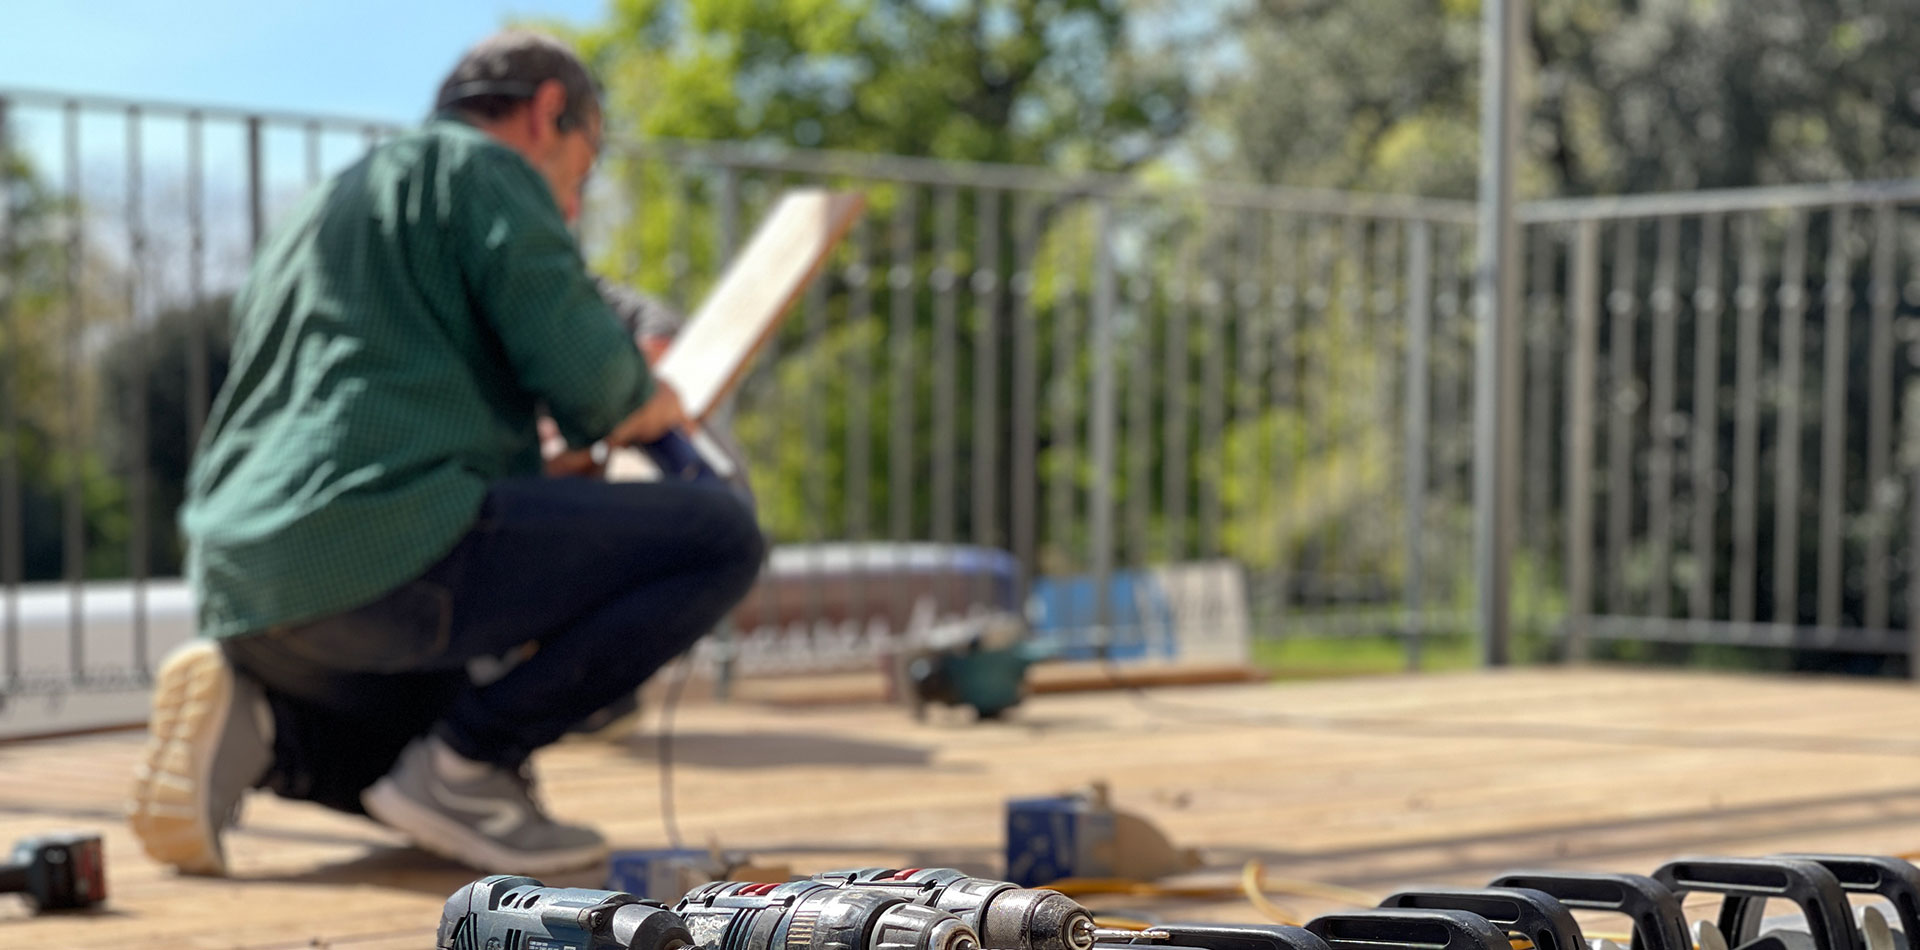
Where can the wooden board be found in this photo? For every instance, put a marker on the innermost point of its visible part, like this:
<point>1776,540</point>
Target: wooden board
<point>1368,783</point>
<point>715,349</point>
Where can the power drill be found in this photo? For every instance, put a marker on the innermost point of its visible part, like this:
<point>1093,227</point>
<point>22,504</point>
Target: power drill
<point>56,872</point>
<point>1007,917</point>
<point>510,911</point>
<point>816,915</point>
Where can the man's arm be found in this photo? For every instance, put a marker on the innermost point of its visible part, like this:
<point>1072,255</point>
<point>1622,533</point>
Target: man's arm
<point>528,282</point>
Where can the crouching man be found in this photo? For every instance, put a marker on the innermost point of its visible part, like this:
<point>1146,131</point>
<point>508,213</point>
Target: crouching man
<point>368,512</point>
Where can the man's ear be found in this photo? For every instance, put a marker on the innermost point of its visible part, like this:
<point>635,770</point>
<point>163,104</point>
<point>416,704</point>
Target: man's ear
<point>549,102</point>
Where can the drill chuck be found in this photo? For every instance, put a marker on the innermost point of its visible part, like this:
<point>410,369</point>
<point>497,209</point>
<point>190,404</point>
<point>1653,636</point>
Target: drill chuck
<point>816,915</point>
<point>510,911</point>
<point>1007,917</point>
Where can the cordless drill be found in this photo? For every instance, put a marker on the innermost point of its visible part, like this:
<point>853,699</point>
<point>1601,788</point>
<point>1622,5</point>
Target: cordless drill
<point>56,872</point>
<point>510,911</point>
<point>1007,917</point>
<point>816,915</point>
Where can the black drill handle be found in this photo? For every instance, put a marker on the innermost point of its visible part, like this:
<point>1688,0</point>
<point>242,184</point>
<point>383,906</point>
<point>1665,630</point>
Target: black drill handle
<point>1226,937</point>
<point>1891,878</point>
<point>1391,929</point>
<point>1658,921</point>
<point>1748,882</point>
<point>1533,914</point>
<point>13,879</point>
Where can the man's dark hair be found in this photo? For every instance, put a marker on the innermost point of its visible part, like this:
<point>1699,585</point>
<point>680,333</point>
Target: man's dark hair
<point>501,72</point>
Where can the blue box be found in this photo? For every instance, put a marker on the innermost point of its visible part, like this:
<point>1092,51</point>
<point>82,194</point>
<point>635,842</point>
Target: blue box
<point>1049,839</point>
<point>664,875</point>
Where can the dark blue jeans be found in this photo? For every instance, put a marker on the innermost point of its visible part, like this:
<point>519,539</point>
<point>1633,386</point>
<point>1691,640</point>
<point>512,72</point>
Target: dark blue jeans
<point>609,581</point>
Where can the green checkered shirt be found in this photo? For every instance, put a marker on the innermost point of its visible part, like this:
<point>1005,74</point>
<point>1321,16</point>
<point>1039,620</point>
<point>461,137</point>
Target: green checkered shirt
<point>392,343</point>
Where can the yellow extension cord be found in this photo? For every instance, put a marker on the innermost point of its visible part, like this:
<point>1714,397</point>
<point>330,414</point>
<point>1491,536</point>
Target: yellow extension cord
<point>1254,887</point>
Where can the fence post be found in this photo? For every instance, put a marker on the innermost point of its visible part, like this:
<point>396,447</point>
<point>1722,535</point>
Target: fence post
<point>1497,354</point>
<point>1105,412</point>
<point>1419,324</point>
<point>1584,288</point>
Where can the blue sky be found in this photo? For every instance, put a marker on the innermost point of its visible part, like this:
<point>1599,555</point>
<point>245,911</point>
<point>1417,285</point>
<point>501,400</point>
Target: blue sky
<point>359,58</point>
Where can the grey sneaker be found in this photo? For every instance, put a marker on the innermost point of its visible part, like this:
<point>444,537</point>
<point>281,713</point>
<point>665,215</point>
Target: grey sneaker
<point>483,816</point>
<point>209,740</point>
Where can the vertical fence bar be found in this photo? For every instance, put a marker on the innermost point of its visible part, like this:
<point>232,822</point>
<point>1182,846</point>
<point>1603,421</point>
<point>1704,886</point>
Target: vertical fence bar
<point>1448,408</point>
<point>813,415</point>
<point>1880,415</point>
<point>1746,421</point>
<point>1786,499</point>
<point>1247,297</point>
<point>728,224</point>
<point>74,546</point>
<point>1351,274</point>
<point>680,229</point>
<point>199,386</point>
<point>1063,460</point>
<point>860,379</point>
<point>1316,382</point>
<point>1665,308</point>
<point>1584,291</point>
<point>1213,404</point>
<point>900,467</point>
<point>861,342</point>
<point>1540,334</point>
<point>1174,490</point>
<point>1622,404</point>
<point>11,542</point>
<point>1140,393</point>
<point>1419,317</point>
<point>945,280</point>
<point>1708,302</point>
<point>313,154</point>
<point>1026,393</point>
<point>256,186</point>
<point>1105,421</point>
<point>986,367</point>
<point>1833,423</point>
<point>140,484</point>
<point>1385,338</point>
<point>1286,297</point>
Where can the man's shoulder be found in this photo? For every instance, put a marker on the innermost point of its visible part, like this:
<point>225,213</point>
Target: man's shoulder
<point>460,151</point>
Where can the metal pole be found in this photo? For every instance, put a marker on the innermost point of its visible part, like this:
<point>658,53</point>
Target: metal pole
<point>256,187</point>
<point>1105,412</point>
<point>1496,299</point>
<point>1419,321</point>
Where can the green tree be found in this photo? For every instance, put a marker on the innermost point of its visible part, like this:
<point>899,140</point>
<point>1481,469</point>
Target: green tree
<point>45,383</point>
<point>1623,96</point>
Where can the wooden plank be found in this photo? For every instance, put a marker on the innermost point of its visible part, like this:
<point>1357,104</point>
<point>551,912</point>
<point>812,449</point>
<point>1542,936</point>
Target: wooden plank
<point>707,360</point>
<point>714,351</point>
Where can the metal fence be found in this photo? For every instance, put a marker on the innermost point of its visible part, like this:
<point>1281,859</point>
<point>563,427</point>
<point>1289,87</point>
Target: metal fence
<point>1098,375</point>
<point>1731,457</point>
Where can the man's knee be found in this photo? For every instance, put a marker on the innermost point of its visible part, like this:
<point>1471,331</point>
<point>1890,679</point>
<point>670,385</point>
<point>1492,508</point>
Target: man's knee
<point>739,545</point>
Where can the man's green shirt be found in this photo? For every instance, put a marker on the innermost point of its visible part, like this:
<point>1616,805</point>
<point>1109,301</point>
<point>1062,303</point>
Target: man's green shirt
<point>392,346</point>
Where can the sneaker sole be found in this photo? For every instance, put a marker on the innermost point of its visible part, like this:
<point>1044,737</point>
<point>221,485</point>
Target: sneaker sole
<point>436,833</point>
<point>168,809</point>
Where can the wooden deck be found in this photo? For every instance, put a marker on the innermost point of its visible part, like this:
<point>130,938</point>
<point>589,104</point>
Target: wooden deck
<point>1365,783</point>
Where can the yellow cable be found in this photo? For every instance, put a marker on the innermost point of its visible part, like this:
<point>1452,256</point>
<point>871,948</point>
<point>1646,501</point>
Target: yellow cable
<point>1250,882</point>
<point>1121,923</point>
<point>1082,886</point>
<point>1302,888</point>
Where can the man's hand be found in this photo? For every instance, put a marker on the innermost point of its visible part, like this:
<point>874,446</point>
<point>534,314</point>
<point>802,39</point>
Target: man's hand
<point>562,462</point>
<point>662,414</point>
